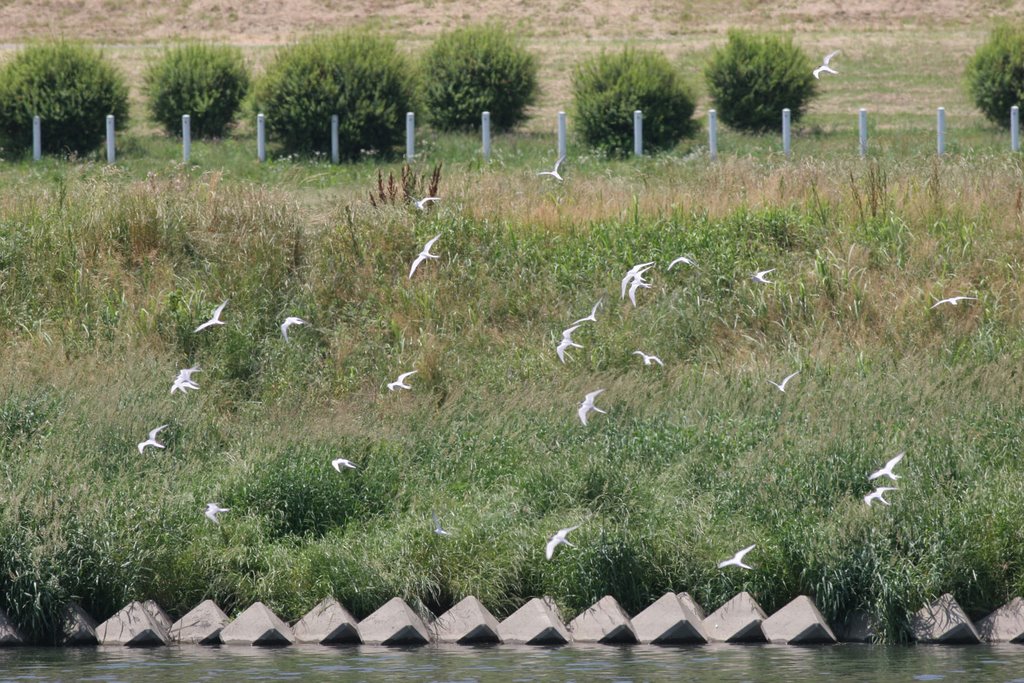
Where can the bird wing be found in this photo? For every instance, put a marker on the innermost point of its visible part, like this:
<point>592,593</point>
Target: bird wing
<point>404,375</point>
<point>202,327</point>
<point>437,522</point>
<point>657,360</point>
<point>217,311</point>
<point>430,242</point>
<point>211,514</point>
<point>592,395</point>
<point>567,333</point>
<point>742,553</point>
<point>895,461</point>
<point>940,302</point>
<point>549,550</point>
<point>582,412</point>
<point>558,164</point>
<point>593,311</point>
<point>829,57</point>
<point>789,377</point>
<point>154,432</point>
<point>415,264</point>
<point>565,532</point>
<point>625,283</point>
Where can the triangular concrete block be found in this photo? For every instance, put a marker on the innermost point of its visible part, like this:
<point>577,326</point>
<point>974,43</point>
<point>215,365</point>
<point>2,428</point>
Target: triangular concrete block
<point>201,626</point>
<point>688,601</point>
<point>133,626</point>
<point>943,621</point>
<point>737,621</point>
<point>328,624</point>
<point>798,623</point>
<point>467,622</point>
<point>1005,625</point>
<point>257,625</point>
<point>668,621</point>
<point>535,623</point>
<point>394,624</point>
<point>9,633</point>
<point>603,622</point>
<point>857,627</point>
<point>158,613</point>
<point>77,627</point>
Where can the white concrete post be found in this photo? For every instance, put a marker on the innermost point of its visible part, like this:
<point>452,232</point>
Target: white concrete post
<point>410,136</point>
<point>1015,128</point>
<point>261,137</point>
<point>37,138</point>
<point>940,130</point>
<point>712,134</point>
<point>485,131</point>
<point>786,132</point>
<point>562,145</point>
<point>111,155</point>
<point>186,137</point>
<point>335,144</point>
<point>638,133</point>
<point>862,125</point>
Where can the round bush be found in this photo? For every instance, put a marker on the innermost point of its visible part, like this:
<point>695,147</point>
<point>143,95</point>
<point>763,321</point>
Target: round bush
<point>207,82</point>
<point>995,74</point>
<point>754,77</point>
<point>70,87</point>
<point>472,70</point>
<point>608,88</point>
<point>361,78</point>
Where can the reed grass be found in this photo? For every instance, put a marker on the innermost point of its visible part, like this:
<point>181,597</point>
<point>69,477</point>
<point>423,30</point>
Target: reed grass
<point>105,272</point>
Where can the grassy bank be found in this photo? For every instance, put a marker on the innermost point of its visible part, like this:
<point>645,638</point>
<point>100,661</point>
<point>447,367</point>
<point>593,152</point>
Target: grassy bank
<point>106,272</point>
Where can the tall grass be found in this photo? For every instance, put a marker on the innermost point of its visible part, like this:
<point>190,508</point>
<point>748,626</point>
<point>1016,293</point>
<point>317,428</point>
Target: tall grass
<point>105,276</point>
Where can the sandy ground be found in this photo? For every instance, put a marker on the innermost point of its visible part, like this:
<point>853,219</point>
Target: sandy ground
<point>271,22</point>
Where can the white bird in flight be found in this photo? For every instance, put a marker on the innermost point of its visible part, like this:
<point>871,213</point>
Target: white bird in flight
<point>215,320</point>
<point>567,343</point>
<point>288,322</point>
<point>954,300</point>
<point>887,470</point>
<point>212,510</point>
<point>825,67</point>
<point>438,529</point>
<point>593,313</point>
<point>588,405</point>
<point>638,283</point>
<point>554,173</point>
<point>781,386</point>
<point>151,441</point>
<point>183,382</point>
<point>421,204</point>
<point>338,463</point>
<point>682,259</point>
<point>737,559</point>
<point>877,495</point>
<point>648,360</point>
<point>424,255</point>
<point>759,276</point>
<point>636,271</point>
<point>400,382</point>
<point>559,539</point>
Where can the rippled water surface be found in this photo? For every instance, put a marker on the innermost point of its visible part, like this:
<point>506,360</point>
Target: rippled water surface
<point>507,663</point>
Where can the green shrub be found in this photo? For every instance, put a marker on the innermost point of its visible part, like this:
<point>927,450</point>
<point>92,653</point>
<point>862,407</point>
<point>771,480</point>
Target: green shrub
<point>70,87</point>
<point>754,77</point>
<point>995,74</point>
<point>361,78</point>
<point>207,82</point>
<point>476,69</point>
<point>608,88</point>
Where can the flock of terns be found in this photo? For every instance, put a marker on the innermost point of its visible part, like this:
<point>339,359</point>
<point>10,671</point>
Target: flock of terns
<point>632,282</point>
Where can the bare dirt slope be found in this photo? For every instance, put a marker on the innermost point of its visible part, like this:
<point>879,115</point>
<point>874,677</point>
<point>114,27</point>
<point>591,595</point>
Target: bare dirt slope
<point>262,22</point>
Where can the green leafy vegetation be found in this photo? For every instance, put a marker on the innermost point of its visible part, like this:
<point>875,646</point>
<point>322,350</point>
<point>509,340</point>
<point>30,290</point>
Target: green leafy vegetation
<point>995,74</point>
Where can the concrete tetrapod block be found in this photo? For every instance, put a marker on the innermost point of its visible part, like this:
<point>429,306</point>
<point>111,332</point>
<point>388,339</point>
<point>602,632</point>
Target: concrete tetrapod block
<point>133,626</point>
<point>257,625</point>
<point>328,624</point>
<point>737,621</point>
<point>9,634</point>
<point>943,621</point>
<point>535,623</point>
<point>77,627</point>
<point>158,613</point>
<point>688,601</point>
<point>798,623</point>
<point>201,626</point>
<point>668,621</point>
<point>603,622</point>
<point>467,622</point>
<point>1005,625</point>
<point>394,624</point>
<point>857,627</point>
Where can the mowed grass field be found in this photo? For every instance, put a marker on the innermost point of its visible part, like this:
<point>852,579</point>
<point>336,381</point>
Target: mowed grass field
<point>105,272</point>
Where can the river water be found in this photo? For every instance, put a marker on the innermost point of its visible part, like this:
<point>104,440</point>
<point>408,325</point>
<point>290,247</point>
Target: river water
<point>588,664</point>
